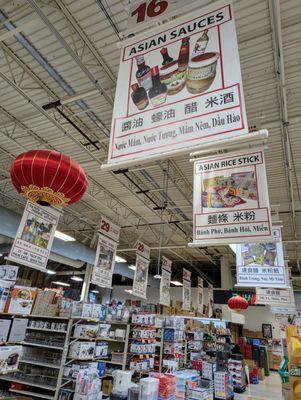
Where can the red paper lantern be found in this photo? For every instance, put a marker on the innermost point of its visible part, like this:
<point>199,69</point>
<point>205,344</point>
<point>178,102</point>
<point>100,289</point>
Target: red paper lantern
<point>238,303</point>
<point>48,178</point>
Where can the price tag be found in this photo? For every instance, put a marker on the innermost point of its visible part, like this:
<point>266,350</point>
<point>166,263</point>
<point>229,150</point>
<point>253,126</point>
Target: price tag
<point>109,229</point>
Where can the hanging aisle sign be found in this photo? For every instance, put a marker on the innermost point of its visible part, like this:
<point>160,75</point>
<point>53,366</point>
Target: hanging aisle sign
<point>165,282</point>
<point>35,235</point>
<point>231,203</point>
<point>200,294</point>
<point>275,297</point>
<point>261,264</point>
<point>210,300</point>
<point>104,264</point>
<point>141,271</point>
<point>186,290</point>
<point>179,87</point>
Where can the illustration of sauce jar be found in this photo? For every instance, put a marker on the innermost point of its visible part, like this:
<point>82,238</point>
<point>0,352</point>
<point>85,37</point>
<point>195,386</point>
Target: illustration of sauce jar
<point>172,77</point>
<point>201,72</point>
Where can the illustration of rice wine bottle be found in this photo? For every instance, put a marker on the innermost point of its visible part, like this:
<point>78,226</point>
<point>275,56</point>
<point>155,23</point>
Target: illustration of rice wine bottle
<point>166,57</point>
<point>201,44</point>
<point>139,96</point>
<point>143,73</point>
<point>184,55</point>
<point>158,92</point>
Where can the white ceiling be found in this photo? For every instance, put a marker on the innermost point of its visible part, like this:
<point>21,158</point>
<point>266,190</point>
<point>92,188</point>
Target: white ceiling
<point>69,46</point>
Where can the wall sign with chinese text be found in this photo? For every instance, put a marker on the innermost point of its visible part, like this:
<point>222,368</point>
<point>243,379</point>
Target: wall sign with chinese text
<point>275,297</point>
<point>200,294</point>
<point>165,282</point>
<point>231,203</point>
<point>178,88</point>
<point>186,290</point>
<point>261,264</point>
<point>35,235</point>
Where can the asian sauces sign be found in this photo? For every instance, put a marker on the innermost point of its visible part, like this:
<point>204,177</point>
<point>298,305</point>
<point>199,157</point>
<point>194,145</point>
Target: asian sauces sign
<point>178,88</point>
<point>231,202</point>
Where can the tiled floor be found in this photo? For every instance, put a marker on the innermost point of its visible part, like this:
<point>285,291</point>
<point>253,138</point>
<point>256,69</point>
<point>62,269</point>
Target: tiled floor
<point>268,389</point>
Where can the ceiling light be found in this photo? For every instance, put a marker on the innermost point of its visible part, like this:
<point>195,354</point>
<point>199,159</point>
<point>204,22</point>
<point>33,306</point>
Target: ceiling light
<point>50,272</point>
<point>176,283</point>
<point>157,276</point>
<point>132,267</point>
<point>64,236</point>
<point>95,291</point>
<point>128,291</point>
<point>76,278</point>
<point>120,259</point>
<point>60,283</point>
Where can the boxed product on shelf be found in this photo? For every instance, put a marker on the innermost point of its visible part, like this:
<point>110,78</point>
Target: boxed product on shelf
<point>145,364</point>
<point>101,367</point>
<point>82,350</point>
<point>149,388</point>
<point>142,348</point>
<point>173,334</point>
<point>87,331</point>
<point>4,329</point>
<point>9,272</point>
<point>104,330</point>
<point>183,378</point>
<point>81,310</point>
<point>117,357</point>
<point>145,333</point>
<point>223,387</point>
<point>87,385</point>
<point>144,319</point>
<point>175,322</point>
<point>18,330</point>
<point>173,348</point>
<point>101,349</point>
<point>5,287</point>
<point>167,385</point>
<point>118,334</point>
<point>9,358</point>
<point>21,300</point>
<point>208,369</point>
<point>64,306</point>
<point>99,311</point>
<point>44,299</point>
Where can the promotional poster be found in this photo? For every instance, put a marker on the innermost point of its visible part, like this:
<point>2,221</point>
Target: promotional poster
<point>231,202</point>
<point>186,290</point>
<point>141,277</point>
<point>179,87</point>
<point>35,235</point>
<point>165,282</point>
<point>200,294</point>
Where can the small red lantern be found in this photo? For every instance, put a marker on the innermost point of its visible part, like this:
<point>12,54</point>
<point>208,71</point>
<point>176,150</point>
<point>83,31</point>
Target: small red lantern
<point>238,303</point>
<point>48,178</point>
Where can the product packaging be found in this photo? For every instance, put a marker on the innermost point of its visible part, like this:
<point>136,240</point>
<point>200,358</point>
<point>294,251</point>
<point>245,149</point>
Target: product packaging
<point>5,287</point>
<point>82,350</point>
<point>9,272</point>
<point>4,329</point>
<point>21,301</point>
<point>18,330</point>
<point>9,358</point>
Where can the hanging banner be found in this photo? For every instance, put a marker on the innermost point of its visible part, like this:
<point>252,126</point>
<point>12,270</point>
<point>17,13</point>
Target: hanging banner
<point>186,290</point>
<point>109,229</point>
<point>200,294</point>
<point>141,277</point>
<point>179,87</point>
<point>276,297</point>
<point>261,264</point>
<point>143,250</point>
<point>210,300</point>
<point>102,274</point>
<point>165,282</point>
<point>231,203</point>
<point>35,235</point>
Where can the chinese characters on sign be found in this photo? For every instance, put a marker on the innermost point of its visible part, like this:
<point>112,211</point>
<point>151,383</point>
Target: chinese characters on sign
<point>141,271</point>
<point>35,235</point>
<point>186,290</point>
<point>231,203</point>
<point>165,282</point>
<point>178,88</point>
<point>275,297</point>
<point>200,294</point>
<point>261,264</point>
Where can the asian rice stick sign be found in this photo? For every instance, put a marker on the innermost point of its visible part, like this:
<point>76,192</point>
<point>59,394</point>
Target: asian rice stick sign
<point>34,237</point>
<point>104,264</point>
<point>231,202</point>
<point>141,272</point>
<point>179,87</point>
<point>261,264</point>
<point>200,295</point>
<point>275,297</point>
<point>165,282</point>
<point>186,290</point>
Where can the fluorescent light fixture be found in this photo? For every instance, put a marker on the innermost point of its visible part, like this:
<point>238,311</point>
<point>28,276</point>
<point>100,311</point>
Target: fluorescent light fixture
<point>120,259</point>
<point>157,276</point>
<point>50,272</point>
<point>60,283</point>
<point>233,247</point>
<point>76,278</point>
<point>132,267</point>
<point>176,283</point>
<point>95,291</point>
<point>128,291</point>
<point>64,236</point>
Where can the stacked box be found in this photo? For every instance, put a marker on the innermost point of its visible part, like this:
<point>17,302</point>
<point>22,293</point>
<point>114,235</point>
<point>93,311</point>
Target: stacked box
<point>44,303</point>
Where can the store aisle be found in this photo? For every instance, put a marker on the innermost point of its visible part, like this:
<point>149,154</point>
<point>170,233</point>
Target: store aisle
<point>270,388</point>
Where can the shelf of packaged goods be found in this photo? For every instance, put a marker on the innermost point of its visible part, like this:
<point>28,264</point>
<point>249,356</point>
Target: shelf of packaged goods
<point>46,346</point>
<point>40,363</point>
<point>31,328</point>
<point>32,394</point>
<point>26,382</point>
<point>110,362</point>
<point>85,319</point>
<point>32,316</point>
<point>98,339</point>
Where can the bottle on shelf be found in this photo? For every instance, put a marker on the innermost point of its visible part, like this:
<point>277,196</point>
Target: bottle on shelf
<point>158,92</point>
<point>166,57</point>
<point>201,44</point>
<point>143,73</point>
<point>139,96</point>
<point>183,59</point>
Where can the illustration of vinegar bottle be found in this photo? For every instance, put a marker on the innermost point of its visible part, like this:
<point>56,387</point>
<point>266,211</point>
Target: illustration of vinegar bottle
<point>184,55</point>
<point>158,92</point>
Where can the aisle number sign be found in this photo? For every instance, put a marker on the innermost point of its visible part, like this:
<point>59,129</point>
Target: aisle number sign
<point>35,235</point>
<point>108,228</point>
<point>262,264</point>
<point>231,202</point>
<point>179,87</point>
